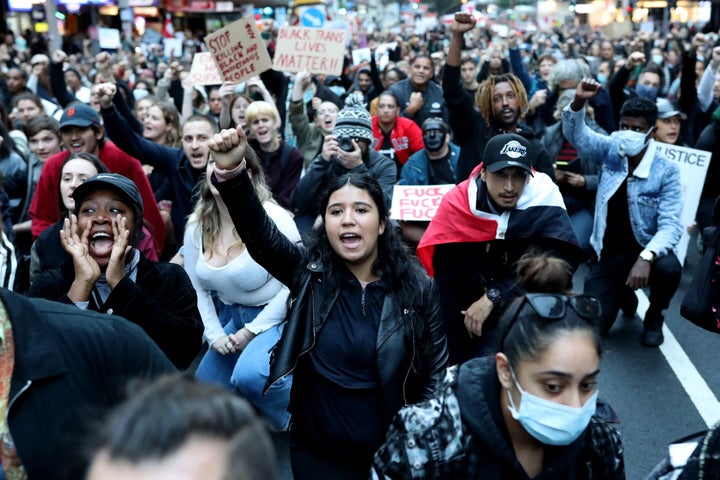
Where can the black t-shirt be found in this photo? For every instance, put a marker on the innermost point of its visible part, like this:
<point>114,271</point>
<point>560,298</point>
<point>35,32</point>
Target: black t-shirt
<point>341,410</point>
<point>386,148</point>
<point>619,236</point>
<point>440,172</point>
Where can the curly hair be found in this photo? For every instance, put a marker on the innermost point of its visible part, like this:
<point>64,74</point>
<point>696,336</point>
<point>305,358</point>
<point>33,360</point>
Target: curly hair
<point>207,212</point>
<point>486,90</point>
<point>640,107</point>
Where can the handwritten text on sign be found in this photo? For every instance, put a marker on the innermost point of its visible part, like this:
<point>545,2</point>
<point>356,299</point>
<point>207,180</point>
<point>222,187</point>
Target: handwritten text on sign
<point>417,202</point>
<point>204,71</point>
<point>239,51</point>
<point>316,50</point>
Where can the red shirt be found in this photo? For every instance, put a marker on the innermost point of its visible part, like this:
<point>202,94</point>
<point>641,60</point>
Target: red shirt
<point>406,138</point>
<point>45,207</point>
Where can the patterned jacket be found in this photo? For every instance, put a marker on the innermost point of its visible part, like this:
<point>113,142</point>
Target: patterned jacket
<point>460,433</point>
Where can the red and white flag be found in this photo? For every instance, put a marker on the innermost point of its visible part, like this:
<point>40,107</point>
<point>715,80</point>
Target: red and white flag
<point>168,30</point>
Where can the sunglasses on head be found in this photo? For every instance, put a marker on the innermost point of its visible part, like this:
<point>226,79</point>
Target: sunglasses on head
<point>553,306</point>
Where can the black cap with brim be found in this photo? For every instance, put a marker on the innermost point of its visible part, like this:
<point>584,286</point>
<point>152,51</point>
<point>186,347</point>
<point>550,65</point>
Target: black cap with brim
<point>497,166</point>
<point>110,181</point>
<point>507,150</point>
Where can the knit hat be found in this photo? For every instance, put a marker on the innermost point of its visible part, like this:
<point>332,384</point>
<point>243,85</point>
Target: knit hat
<point>507,150</point>
<point>354,120</point>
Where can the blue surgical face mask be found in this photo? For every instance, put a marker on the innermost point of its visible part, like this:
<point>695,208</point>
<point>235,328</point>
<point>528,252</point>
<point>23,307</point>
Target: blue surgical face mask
<point>602,78</point>
<point>337,90</point>
<point>139,93</point>
<point>550,422</point>
<point>630,143</point>
<point>657,59</point>
<point>309,94</point>
<point>646,91</point>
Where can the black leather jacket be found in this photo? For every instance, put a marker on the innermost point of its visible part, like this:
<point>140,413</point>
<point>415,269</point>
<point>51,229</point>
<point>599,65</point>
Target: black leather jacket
<point>407,365</point>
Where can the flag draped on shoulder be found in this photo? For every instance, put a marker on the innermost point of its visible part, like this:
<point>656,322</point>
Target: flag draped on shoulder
<point>540,212</point>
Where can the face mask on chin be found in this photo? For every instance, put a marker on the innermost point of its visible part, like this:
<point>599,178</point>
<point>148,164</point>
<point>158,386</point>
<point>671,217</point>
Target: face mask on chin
<point>549,422</point>
<point>631,143</point>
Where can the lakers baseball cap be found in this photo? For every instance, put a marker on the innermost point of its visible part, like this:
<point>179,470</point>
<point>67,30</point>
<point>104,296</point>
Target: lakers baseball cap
<point>507,150</point>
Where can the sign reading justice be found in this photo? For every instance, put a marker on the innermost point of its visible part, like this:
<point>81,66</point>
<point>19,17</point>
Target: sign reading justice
<point>239,51</point>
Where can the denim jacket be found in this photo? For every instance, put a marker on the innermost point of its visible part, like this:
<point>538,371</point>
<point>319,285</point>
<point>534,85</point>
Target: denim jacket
<point>653,190</point>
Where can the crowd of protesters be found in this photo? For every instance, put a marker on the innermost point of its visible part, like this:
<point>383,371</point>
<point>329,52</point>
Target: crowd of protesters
<point>246,230</point>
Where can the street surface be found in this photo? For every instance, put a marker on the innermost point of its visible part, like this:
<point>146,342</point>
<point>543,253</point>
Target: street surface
<point>660,394</point>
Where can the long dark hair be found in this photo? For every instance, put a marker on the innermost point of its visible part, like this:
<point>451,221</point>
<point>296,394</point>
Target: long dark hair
<point>395,263</point>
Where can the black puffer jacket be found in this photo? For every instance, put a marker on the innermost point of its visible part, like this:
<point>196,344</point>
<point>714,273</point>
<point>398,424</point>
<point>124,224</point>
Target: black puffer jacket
<point>406,364</point>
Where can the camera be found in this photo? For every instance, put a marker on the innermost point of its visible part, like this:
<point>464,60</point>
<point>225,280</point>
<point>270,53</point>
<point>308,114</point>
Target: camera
<point>345,143</point>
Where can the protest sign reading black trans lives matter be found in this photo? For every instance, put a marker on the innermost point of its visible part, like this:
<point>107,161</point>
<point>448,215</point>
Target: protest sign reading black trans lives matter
<point>317,50</point>
<point>239,51</point>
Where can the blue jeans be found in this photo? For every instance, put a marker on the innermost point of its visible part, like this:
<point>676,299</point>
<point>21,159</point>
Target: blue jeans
<point>251,372</point>
<point>247,371</point>
<point>582,225</point>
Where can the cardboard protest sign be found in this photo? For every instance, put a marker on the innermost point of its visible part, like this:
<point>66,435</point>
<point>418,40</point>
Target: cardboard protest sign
<point>417,202</point>
<point>238,51</point>
<point>693,168</point>
<point>109,38</point>
<point>204,71</point>
<point>317,50</point>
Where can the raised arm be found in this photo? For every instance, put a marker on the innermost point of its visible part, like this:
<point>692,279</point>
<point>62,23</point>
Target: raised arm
<point>266,244</point>
<point>131,142</point>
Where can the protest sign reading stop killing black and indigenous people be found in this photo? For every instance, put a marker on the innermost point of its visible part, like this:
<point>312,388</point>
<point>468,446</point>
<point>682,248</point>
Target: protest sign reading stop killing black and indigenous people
<point>317,50</point>
<point>239,51</point>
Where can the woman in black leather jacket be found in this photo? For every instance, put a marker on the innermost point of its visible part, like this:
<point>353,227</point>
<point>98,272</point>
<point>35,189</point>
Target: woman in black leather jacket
<point>363,336</point>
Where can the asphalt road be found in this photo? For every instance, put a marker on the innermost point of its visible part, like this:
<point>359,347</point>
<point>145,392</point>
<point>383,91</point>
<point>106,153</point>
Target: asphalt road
<point>644,384</point>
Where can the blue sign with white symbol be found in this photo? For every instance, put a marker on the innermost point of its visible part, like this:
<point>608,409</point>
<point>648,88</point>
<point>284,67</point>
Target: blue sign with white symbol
<point>313,17</point>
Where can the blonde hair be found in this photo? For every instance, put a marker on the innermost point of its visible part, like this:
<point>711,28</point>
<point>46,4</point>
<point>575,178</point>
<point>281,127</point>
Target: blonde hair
<point>259,107</point>
<point>207,212</point>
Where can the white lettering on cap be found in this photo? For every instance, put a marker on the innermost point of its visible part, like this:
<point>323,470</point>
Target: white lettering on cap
<point>514,149</point>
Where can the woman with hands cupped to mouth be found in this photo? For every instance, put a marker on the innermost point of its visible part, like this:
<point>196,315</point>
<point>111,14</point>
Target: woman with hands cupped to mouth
<point>106,273</point>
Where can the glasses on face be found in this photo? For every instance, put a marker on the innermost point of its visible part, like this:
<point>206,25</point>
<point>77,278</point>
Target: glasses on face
<point>552,306</point>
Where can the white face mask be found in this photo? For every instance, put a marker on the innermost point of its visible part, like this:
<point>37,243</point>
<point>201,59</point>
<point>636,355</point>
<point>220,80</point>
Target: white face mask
<point>630,143</point>
<point>550,422</point>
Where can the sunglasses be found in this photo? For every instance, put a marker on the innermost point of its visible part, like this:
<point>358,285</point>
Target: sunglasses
<point>552,306</point>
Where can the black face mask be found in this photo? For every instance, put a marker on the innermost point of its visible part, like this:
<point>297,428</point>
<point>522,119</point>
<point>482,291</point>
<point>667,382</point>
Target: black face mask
<point>433,140</point>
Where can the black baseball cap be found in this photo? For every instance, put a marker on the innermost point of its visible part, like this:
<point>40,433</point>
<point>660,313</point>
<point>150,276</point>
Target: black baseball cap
<point>110,181</point>
<point>507,150</point>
